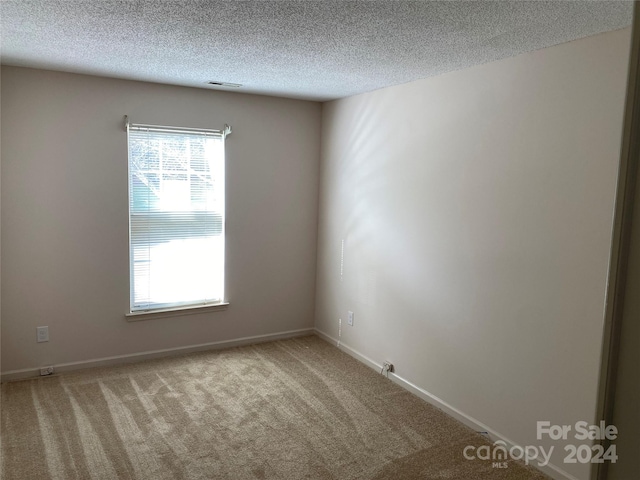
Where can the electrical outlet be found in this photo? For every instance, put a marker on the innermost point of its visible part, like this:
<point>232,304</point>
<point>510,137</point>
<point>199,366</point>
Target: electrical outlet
<point>350,318</point>
<point>44,371</point>
<point>42,334</point>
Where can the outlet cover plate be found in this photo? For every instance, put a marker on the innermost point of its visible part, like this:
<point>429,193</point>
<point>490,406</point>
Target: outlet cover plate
<point>42,334</point>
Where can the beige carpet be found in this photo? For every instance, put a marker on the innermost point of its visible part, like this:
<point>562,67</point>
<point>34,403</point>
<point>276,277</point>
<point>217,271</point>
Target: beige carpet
<point>292,409</point>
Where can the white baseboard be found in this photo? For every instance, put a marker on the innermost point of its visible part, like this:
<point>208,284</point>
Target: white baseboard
<point>552,470</point>
<point>148,355</point>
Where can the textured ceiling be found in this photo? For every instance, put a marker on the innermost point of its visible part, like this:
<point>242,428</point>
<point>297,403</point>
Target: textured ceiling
<point>316,50</point>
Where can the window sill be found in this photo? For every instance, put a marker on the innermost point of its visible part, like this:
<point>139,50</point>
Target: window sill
<point>174,312</point>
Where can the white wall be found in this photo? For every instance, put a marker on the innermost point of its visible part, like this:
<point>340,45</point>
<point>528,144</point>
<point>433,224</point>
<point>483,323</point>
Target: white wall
<point>65,215</point>
<point>476,209</point>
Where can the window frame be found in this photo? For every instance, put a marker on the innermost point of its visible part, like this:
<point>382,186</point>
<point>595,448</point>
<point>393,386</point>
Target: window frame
<point>167,309</point>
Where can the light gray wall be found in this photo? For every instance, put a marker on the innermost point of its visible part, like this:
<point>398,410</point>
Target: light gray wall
<point>476,209</point>
<point>0,225</point>
<point>65,217</point>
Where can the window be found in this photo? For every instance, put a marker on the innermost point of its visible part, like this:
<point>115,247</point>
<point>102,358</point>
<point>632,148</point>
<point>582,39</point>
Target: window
<point>176,217</point>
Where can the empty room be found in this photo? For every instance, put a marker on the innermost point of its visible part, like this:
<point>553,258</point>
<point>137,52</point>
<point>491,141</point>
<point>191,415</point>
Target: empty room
<point>319,240</point>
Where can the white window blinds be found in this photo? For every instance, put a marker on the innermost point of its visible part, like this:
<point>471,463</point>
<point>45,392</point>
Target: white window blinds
<point>176,216</point>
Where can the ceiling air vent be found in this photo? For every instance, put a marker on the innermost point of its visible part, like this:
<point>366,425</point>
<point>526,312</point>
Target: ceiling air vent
<point>224,84</point>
